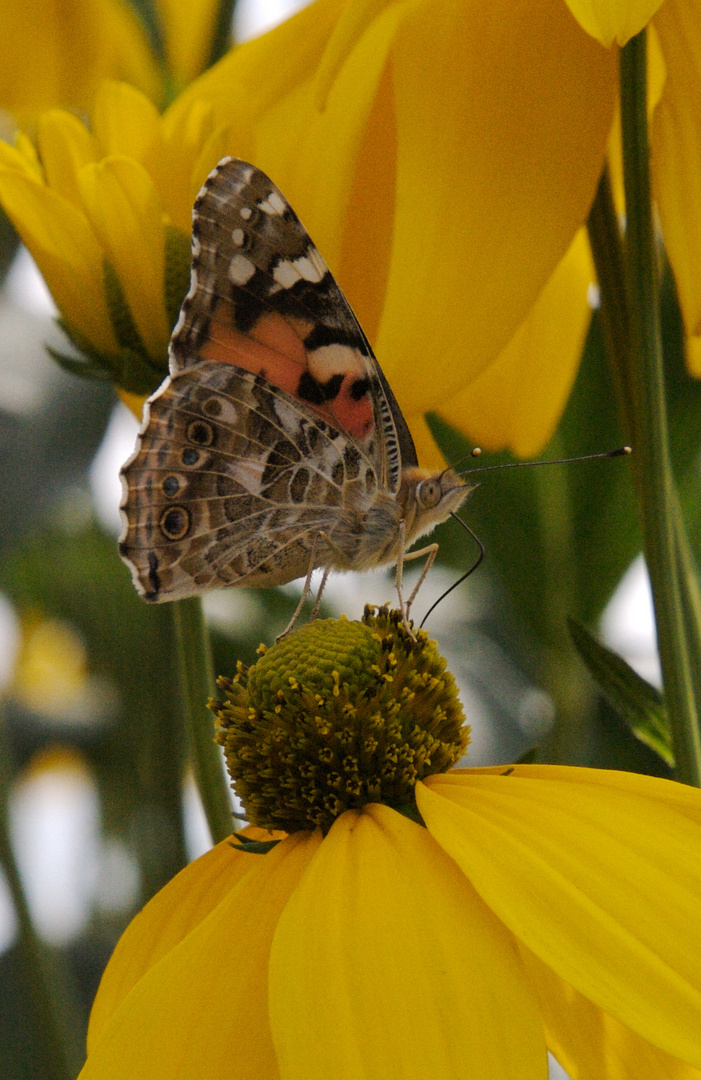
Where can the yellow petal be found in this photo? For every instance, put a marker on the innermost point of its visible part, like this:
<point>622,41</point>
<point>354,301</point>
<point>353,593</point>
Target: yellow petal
<point>354,21</point>
<point>693,355</point>
<point>188,36</point>
<point>385,963</point>
<point>255,75</point>
<point>134,402</point>
<point>166,920</point>
<point>328,142</point>
<point>124,121</point>
<point>189,151</point>
<point>65,145</point>
<point>589,1043</point>
<point>602,884</point>
<point>613,20</point>
<point>16,157</point>
<point>517,401</point>
<point>680,797</point>
<point>676,152</point>
<point>124,210</point>
<point>53,53</point>
<point>67,253</point>
<point>202,1010</point>
<point>500,146</point>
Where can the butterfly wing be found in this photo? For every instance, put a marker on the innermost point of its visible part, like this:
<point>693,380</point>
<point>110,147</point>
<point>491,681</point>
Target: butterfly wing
<point>276,413</point>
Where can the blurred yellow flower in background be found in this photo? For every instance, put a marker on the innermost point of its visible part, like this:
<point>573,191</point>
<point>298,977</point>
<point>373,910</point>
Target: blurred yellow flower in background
<point>55,54</point>
<point>105,211</point>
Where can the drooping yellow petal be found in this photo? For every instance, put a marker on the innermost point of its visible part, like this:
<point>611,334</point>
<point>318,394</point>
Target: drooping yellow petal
<point>355,19</point>
<point>65,145</point>
<point>202,1010</point>
<point>124,121</point>
<point>676,152</point>
<point>295,141</point>
<point>613,20</point>
<point>188,30</point>
<point>192,143</point>
<point>125,212</point>
<point>53,53</point>
<point>602,884</point>
<point>66,251</point>
<point>499,150</point>
<point>255,75</point>
<point>134,402</point>
<point>385,963</point>
<point>23,159</point>
<point>517,401</point>
<point>589,1043</point>
<point>169,917</point>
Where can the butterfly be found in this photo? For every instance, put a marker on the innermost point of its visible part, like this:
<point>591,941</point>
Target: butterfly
<point>275,446</point>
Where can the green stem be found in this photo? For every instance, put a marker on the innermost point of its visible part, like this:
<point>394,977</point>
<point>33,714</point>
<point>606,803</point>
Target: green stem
<point>197,682</point>
<point>659,508</point>
<point>54,1047</point>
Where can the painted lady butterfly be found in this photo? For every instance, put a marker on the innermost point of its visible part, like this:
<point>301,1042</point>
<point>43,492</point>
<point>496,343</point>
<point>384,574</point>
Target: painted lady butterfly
<point>275,445</point>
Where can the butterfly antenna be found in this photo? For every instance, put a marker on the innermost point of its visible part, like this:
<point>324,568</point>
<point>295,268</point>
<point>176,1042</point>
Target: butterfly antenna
<point>467,573</point>
<point>621,451</point>
<point>474,453</point>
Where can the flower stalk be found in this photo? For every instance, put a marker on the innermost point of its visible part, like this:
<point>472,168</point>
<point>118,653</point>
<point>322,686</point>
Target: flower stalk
<point>197,684</point>
<point>641,374</point>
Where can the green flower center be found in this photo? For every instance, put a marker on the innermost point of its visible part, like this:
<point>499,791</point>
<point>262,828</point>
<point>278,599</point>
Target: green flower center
<point>336,715</point>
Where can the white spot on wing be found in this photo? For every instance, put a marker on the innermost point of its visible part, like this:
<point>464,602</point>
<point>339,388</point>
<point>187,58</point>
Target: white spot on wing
<point>245,212</point>
<point>309,270</point>
<point>336,359</point>
<point>274,204</point>
<point>241,269</point>
<point>286,274</point>
<point>238,236</point>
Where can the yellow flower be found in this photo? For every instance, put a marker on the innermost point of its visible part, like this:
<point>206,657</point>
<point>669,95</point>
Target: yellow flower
<point>444,157</point>
<point>105,211</point>
<point>528,907</point>
<point>55,54</point>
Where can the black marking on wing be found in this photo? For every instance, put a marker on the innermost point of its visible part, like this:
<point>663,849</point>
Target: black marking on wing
<point>323,335</point>
<point>317,392</point>
<point>153,577</point>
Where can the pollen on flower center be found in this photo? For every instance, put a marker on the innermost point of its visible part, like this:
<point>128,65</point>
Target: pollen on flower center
<point>336,715</point>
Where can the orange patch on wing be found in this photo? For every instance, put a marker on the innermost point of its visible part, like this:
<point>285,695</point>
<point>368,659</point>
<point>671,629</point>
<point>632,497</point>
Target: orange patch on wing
<point>274,349</point>
<point>355,417</point>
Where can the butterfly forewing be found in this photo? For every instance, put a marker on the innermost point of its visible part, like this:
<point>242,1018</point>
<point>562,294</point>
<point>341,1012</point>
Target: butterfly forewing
<point>265,300</point>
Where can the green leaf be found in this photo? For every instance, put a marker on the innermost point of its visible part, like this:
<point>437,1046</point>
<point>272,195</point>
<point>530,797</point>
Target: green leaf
<point>639,704</point>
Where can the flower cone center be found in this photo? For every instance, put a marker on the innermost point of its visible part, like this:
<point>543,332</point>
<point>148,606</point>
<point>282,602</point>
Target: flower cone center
<point>337,715</point>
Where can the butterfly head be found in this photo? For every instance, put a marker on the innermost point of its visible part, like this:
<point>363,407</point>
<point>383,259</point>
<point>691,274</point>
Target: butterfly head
<point>428,497</point>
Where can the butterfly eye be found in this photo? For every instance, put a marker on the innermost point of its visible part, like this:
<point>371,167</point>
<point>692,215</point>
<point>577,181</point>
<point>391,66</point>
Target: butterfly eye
<point>428,494</point>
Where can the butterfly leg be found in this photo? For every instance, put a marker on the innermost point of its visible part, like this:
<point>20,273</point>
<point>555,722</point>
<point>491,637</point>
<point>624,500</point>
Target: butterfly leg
<point>306,589</point>
<point>430,552</point>
<point>317,602</point>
